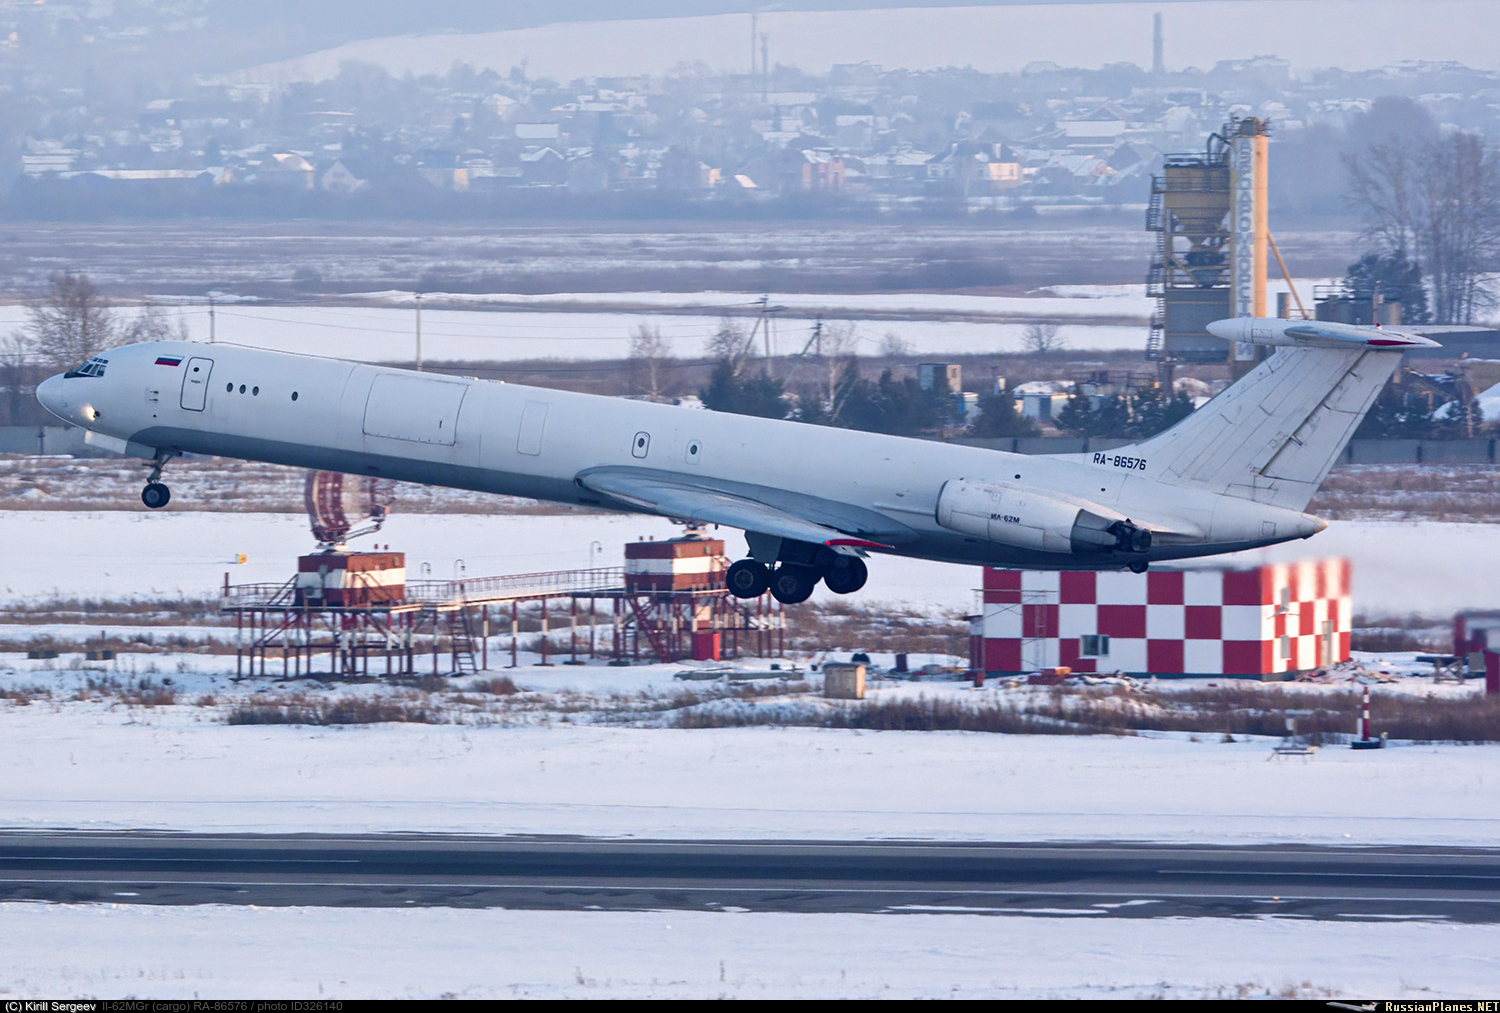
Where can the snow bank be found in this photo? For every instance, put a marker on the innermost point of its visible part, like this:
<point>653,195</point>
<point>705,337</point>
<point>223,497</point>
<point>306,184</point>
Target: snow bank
<point>179,767</point>
<point>325,953</point>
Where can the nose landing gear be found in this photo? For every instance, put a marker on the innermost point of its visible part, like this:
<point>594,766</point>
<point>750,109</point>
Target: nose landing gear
<point>156,495</point>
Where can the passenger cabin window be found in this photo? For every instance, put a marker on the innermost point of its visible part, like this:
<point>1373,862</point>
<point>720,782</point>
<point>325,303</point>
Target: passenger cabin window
<point>94,367</point>
<point>641,445</point>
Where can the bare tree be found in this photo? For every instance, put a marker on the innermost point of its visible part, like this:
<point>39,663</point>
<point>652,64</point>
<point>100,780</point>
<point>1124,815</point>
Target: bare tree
<point>649,352</point>
<point>1436,201</point>
<point>729,344</point>
<point>152,324</point>
<point>1458,228</point>
<point>894,346</point>
<point>839,341</point>
<point>1042,338</point>
<point>18,378</point>
<point>71,323</point>
<point>1383,186</point>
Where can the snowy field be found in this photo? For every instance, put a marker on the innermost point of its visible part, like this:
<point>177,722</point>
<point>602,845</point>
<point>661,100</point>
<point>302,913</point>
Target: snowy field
<point>211,952</point>
<point>1400,568</point>
<point>598,325</point>
<point>109,765</point>
<point>102,763</point>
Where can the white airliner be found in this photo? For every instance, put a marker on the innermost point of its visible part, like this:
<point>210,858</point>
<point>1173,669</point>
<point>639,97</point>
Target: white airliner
<point>812,500</point>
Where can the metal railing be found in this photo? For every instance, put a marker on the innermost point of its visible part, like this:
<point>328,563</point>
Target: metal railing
<point>516,585</point>
<point>249,595</point>
<point>452,592</point>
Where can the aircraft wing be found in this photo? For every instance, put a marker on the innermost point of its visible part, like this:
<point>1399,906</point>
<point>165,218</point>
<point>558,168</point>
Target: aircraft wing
<point>689,502</point>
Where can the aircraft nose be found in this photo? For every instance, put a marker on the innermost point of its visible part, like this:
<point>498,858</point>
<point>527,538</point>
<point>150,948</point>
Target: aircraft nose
<point>50,393</point>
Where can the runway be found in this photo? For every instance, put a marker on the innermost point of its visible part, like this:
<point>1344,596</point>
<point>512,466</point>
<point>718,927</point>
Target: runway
<point>557,873</point>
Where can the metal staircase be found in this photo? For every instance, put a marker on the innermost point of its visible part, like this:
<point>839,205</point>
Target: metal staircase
<point>464,650</point>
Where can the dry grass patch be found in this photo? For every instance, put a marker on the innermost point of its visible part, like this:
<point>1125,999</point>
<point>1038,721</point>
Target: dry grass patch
<point>301,710</point>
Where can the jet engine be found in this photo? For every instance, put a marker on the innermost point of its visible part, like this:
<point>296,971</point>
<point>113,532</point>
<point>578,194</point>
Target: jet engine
<point>1016,515</point>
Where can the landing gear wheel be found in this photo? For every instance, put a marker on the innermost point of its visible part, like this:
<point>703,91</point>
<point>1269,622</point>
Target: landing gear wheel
<point>1139,566</point>
<point>847,575</point>
<point>791,584</point>
<point>155,495</point>
<point>747,579</point>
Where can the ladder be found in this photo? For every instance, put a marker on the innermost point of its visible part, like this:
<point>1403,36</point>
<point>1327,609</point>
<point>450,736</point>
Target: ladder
<point>462,636</point>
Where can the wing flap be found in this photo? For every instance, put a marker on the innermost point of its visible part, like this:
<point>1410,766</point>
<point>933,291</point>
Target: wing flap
<point>712,506</point>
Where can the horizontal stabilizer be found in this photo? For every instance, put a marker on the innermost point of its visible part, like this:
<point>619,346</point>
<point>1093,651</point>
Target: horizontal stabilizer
<point>1316,334</point>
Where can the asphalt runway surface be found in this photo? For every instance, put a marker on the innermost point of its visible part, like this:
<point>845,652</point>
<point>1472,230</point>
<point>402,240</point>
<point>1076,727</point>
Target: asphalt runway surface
<point>569,873</point>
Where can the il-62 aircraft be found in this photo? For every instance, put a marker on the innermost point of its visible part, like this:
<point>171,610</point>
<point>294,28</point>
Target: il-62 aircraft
<point>813,501</point>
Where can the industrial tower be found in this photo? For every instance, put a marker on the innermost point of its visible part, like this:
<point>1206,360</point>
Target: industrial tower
<point>1209,212</point>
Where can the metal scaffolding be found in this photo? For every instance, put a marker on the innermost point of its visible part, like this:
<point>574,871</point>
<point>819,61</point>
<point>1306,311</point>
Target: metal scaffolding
<point>450,622</point>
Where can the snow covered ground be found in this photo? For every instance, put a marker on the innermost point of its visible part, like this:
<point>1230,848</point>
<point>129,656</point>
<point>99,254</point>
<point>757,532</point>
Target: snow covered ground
<point>375,333</point>
<point>102,763</point>
<point>55,951</point>
<point>1399,567</point>
<point>106,764</point>
<point>564,326</point>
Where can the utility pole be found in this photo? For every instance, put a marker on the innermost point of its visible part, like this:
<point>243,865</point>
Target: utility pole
<point>212,335</point>
<point>419,332</point>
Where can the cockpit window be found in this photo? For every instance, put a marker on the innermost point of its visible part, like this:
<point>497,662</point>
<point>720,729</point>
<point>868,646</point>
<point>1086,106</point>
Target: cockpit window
<point>94,367</point>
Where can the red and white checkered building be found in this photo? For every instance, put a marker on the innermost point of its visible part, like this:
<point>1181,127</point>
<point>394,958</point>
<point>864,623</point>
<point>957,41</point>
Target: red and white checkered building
<point>1251,621</point>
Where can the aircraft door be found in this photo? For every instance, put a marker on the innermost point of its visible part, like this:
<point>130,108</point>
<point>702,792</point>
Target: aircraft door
<point>195,384</point>
<point>533,424</point>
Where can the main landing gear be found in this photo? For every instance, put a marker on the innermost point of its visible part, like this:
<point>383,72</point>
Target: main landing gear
<point>790,583</point>
<point>156,495</point>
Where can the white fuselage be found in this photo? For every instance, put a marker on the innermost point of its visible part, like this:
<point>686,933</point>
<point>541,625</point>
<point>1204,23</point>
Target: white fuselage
<point>489,436</point>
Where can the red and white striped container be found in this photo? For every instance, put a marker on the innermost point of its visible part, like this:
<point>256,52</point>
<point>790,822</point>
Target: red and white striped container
<point>675,564</point>
<point>1247,621</point>
<point>351,578</point>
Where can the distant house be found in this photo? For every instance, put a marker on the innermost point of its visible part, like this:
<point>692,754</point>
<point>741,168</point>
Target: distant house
<point>544,166</point>
<point>443,170</point>
<point>43,157</point>
<point>1104,123</point>
<point>822,170</point>
<point>905,164</point>
<point>286,169</point>
<point>338,179</point>
<point>978,168</point>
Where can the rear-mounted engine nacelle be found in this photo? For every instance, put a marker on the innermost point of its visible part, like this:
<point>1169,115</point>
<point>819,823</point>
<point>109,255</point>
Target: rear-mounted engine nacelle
<point>1023,517</point>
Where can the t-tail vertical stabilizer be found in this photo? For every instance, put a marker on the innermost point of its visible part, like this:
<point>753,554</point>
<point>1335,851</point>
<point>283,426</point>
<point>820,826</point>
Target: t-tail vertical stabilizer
<point>1273,436</point>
